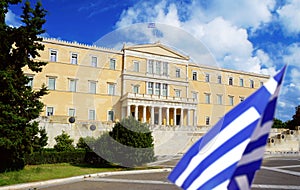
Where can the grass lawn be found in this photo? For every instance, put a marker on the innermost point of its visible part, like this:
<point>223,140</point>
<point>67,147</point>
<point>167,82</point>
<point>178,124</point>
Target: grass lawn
<point>49,171</point>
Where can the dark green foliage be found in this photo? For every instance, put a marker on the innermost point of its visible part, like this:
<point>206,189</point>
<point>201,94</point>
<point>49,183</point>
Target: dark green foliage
<point>279,124</point>
<point>40,141</point>
<point>292,124</point>
<point>64,143</point>
<point>129,144</point>
<point>53,157</point>
<point>19,104</point>
<point>87,143</point>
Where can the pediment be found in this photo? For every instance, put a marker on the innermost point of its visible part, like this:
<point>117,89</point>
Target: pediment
<point>157,49</point>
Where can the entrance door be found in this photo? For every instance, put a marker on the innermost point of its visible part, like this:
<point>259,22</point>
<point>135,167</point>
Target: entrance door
<point>177,119</point>
<point>156,118</point>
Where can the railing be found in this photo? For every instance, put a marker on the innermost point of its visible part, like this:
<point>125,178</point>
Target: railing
<point>161,98</point>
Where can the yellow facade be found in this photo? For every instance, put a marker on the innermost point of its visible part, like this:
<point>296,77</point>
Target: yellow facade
<point>152,82</point>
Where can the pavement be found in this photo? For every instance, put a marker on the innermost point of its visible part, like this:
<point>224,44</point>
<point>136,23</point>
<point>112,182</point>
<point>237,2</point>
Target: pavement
<point>276,173</point>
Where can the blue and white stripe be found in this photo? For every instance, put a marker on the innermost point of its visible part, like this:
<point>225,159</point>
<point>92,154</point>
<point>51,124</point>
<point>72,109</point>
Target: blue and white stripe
<point>228,155</point>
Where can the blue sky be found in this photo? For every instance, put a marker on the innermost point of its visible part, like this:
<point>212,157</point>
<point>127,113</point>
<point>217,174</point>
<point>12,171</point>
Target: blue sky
<point>248,35</point>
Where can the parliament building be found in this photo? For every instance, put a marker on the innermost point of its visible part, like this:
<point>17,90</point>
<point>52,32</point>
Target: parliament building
<point>151,82</point>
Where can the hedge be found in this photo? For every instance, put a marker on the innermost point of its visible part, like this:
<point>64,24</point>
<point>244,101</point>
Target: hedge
<point>51,156</point>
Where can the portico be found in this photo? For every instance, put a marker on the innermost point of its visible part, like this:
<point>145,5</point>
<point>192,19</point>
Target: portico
<point>158,110</point>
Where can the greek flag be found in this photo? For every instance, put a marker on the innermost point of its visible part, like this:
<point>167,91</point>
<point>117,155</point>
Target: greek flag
<point>229,154</point>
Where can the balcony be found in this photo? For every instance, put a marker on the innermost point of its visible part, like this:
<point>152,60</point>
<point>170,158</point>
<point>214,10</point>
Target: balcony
<point>152,97</point>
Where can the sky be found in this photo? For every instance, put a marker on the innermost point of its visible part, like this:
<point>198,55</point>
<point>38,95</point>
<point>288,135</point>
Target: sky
<point>247,35</point>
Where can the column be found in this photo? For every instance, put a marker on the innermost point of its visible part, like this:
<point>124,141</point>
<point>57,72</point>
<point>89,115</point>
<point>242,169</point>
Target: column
<point>128,110</point>
<point>144,114</point>
<point>136,112</point>
<point>152,115</point>
<point>188,117</point>
<point>160,116</point>
<point>195,118</point>
<point>174,117</point>
<point>167,113</point>
<point>181,117</point>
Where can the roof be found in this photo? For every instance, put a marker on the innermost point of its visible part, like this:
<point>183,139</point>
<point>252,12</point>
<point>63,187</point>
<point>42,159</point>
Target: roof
<point>157,49</point>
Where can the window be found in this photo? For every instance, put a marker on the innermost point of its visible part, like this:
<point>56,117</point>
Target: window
<point>150,88</point>
<point>92,115</point>
<point>242,99</point>
<point>220,79</point>
<point>177,93</point>
<point>94,62</point>
<point>136,66</point>
<point>231,98</point>
<point>164,89</point>
<point>111,89</point>
<point>136,89</point>
<point>51,83</point>
<point>50,111</point>
<point>112,64</point>
<point>150,66</point>
<point>219,99</point>
<point>207,78</point>
<point>194,75</point>
<point>207,98</point>
<point>241,82</point>
<point>251,83</point>
<point>92,87</point>
<point>157,88</point>
<point>110,115</point>
<point>30,81</point>
<point>74,58</point>
<point>158,67</point>
<point>71,112</point>
<point>195,95</point>
<point>53,55</point>
<point>72,85</point>
<point>165,69</point>
<point>230,81</point>
<point>177,73</point>
<point>207,120</point>
<point>261,83</point>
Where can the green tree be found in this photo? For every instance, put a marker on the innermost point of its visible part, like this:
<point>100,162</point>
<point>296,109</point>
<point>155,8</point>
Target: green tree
<point>19,104</point>
<point>40,141</point>
<point>278,124</point>
<point>130,143</point>
<point>64,142</point>
<point>296,118</point>
<point>87,143</point>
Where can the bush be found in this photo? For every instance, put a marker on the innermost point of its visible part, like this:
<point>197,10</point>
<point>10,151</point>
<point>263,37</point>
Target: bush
<point>87,143</point>
<point>129,144</point>
<point>64,142</point>
<point>53,157</point>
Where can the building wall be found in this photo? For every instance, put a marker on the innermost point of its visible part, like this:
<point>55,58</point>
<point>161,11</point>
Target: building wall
<point>103,87</point>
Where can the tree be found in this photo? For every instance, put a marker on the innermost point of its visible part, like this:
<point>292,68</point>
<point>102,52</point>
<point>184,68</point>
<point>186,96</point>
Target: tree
<point>292,124</point>
<point>130,143</point>
<point>19,104</point>
<point>64,142</point>
<point>278,124</point>
<point>40,141</point>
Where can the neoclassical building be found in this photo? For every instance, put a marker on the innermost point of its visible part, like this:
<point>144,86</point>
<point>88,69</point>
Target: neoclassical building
<point>151,82</point>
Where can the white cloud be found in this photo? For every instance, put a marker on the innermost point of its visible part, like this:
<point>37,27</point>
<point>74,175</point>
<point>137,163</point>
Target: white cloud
<point>243,13</point>
<point>221,26</point>
<point>289,15</point>
<point>292,56</point>
<point>12,19</point>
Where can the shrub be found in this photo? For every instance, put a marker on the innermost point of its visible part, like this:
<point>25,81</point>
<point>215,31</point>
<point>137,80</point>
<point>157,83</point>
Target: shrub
<point>129,144</point>
<point>63,142</point>
<point>53,157</point>
<point>87,143</point>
